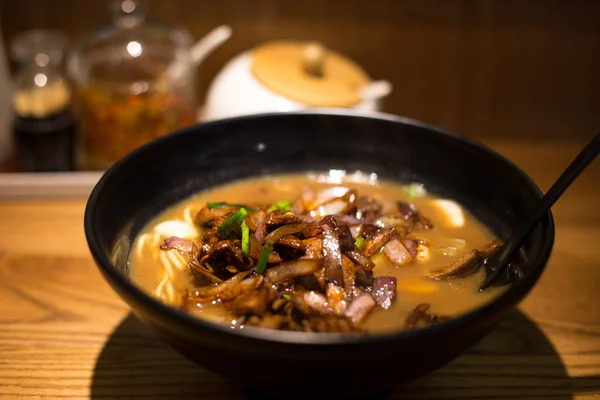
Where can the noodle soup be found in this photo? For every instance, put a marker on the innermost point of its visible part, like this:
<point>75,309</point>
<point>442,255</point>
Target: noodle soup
<point>316,253</point>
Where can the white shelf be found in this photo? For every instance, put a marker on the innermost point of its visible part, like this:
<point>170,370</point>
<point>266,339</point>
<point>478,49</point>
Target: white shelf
<point>47,185</point>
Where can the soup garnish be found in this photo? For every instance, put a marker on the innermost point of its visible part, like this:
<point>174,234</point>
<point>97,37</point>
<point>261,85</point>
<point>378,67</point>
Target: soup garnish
<point>331,258</point>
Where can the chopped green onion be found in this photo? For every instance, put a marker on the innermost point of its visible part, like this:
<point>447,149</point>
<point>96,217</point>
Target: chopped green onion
<point>414,190</point>
<point>287,296</point>
<point>359,242</point>
<point>283,206</point>
<point>245,239</point>
<point>231,223</point>
<point>264,257</point>
<point>221,204</point>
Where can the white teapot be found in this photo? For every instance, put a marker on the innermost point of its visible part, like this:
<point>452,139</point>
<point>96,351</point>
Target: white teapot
<point>282,76</point>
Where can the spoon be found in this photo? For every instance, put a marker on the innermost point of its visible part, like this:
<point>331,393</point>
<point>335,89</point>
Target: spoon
<point>501,257</point>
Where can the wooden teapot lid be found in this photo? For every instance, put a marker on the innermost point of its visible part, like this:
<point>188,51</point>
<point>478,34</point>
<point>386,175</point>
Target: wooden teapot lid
<point>308,73</point>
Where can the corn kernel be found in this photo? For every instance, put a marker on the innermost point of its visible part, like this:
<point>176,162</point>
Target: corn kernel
<point>417,286</point>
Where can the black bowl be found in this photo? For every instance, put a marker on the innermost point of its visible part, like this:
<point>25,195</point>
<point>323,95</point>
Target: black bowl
<point>298,364</point>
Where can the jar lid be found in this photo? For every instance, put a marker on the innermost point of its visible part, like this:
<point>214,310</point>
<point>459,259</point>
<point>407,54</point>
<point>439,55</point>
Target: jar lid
<point>129,50</point>
<point>309,73</point>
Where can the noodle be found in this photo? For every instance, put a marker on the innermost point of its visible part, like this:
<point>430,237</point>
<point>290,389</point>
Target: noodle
<point>171,293</point>
<point>161,285</point>
<point>176,228</point>
<point>165,290</point>
<point>170,260</point>
<point>187,215</point>
<point>168,277</point>
<point>177,259</point>
<point>166,264</point>
<point>140,245</point>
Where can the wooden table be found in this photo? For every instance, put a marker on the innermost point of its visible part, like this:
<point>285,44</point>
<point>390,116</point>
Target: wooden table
<point>65,334</point>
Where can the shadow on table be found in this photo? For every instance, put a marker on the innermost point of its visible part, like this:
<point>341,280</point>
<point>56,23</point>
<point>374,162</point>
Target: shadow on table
<point>514,361</point>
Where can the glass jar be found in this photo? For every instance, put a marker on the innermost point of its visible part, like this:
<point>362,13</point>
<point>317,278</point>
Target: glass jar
<point>135,81</point>
<point>43,124</point>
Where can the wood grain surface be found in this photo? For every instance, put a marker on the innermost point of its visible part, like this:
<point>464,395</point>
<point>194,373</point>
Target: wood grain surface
<point>64,334</point>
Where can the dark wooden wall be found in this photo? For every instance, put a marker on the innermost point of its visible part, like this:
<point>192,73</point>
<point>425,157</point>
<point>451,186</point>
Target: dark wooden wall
<point>526,68</point>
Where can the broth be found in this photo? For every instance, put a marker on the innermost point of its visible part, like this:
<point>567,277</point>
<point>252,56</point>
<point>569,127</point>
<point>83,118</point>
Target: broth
<point>455,233</point>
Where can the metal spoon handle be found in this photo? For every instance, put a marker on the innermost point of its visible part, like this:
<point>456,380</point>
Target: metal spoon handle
<point>501,257</point>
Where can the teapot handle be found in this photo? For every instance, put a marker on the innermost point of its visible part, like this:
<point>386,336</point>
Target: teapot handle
<point>209,43</point>
<point>199,51</point>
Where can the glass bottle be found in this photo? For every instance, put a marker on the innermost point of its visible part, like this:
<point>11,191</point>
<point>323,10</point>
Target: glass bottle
<point>43,124</point>
<point>6,112</point>
<point>135,81</point>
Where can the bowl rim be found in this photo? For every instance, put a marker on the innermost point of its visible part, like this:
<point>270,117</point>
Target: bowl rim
<point>508,298</point>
